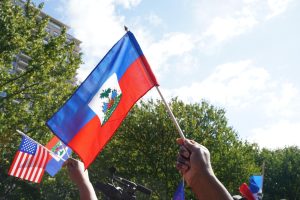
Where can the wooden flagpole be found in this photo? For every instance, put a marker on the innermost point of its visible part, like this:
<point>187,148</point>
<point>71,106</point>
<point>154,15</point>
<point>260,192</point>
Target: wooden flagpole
<point>171,114</point>
<point>52,154</point>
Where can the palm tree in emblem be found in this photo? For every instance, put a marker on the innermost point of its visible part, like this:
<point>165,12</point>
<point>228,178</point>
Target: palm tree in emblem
<point>110,99</point>
<point>105,93</point>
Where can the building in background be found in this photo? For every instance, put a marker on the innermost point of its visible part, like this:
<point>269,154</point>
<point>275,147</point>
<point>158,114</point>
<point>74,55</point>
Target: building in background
<point>54,28</point>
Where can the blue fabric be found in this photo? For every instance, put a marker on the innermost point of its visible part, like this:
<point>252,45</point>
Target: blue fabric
<point>179,194</point>
<point>28,146</point>
<point>255,183</point>
<point>53,166</point>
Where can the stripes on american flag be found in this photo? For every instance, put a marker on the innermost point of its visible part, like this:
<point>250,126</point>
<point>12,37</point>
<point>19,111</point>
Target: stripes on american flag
<point>30,161</point>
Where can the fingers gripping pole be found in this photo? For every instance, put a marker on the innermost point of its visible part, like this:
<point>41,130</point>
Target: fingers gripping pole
<point>171,114</point>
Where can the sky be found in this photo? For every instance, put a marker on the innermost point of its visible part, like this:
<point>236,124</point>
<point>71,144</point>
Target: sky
<point>242,55</point>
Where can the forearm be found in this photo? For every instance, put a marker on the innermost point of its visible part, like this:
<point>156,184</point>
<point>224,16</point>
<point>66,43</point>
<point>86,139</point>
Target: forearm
<point>211,189</point>
<point>87,191</point>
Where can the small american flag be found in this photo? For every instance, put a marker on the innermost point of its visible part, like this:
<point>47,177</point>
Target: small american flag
<point>30,161</point>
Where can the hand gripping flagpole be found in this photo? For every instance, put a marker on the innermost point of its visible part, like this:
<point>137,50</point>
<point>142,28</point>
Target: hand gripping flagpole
<point>52,154</point>
<point>171,114</point>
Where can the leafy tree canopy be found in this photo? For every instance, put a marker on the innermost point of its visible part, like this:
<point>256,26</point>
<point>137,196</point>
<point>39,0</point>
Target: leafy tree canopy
<point>144,149</point>
<point>30,96</point>
<point>282,173</point>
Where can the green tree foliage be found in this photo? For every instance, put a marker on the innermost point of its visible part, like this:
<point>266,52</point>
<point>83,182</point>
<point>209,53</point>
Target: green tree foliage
<point>282,173</point>
<point>144,150</point>
<point>34,94</point>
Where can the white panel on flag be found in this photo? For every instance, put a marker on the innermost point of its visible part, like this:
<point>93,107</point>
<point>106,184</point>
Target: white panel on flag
<point>106,99</point>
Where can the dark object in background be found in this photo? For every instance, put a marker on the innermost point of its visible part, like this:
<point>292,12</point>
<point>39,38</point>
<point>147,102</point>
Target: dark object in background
<point>120,188</point>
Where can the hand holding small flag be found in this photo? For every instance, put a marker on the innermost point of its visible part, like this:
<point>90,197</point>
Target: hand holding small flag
<point>80,177</point>
<point>193,162</point>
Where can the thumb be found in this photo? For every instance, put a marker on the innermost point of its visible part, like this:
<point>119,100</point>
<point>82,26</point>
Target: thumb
<point>180,141</point>
<point>66,163</point>
<point>190,144</point>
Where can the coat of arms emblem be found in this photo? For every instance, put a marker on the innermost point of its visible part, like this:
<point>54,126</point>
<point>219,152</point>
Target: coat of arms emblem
<point>60,150</point>
<point>111,100</point>
<point>106,99</point>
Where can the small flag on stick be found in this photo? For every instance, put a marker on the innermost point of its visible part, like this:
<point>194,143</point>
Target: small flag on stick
<point>61,153</point>
<point>30,161</point>
<point>179,194</point>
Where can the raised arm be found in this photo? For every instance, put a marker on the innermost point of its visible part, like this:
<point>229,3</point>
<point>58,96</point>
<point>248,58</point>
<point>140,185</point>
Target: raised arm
<point>81,178</point>
<point>194,164</point>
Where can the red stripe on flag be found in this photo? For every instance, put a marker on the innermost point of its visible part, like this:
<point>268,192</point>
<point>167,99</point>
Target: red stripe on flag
<point>245,191</point>
<point>32,164</point>
<point>50,145</point>
<point>42,166</point>
<point>20,164</point>
<point>147,67</point>
<point>41,155</point>
<point>25,167</point>
<point>14,165</point>
<point>33,168</point>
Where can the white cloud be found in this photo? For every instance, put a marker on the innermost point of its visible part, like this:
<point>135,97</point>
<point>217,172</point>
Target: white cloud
<point>225,28</point>
<point>231,84</point>
<point>249,91</point>
<point>171,45</point>
<point>128,3</point>
<point>97,24</point>
<point>186,64</point>
<point>154,19</point>
<point>227,21</point>
<point>242,84</point>
<point>279,135</point>
<point>277,7</point>
<point>284,102</point>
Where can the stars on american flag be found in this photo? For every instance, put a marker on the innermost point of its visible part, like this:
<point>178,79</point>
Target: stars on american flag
<point>28,146</point>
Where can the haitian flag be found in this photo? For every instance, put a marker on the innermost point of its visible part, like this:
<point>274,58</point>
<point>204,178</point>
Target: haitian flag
<point>256,183</point>
<point>93,113</point>
<point>179,194</point>
<point>245,191</point>
<point>61,152</point>
<point>254,190</point>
